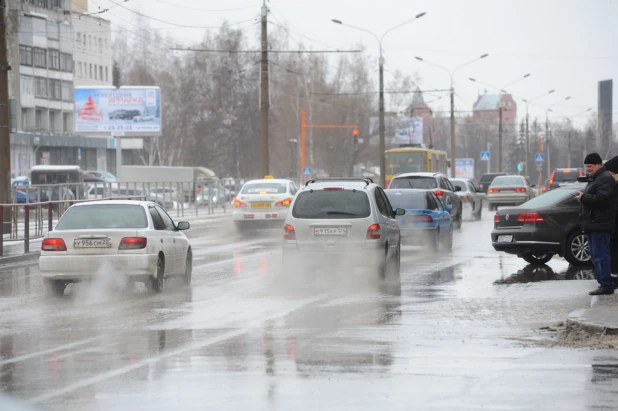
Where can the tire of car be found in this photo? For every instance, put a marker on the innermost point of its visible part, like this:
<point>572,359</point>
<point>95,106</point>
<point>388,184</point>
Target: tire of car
<point>577,251</point>
<point>459,219</point>
<point>447,242</point>
<point>156,282</point>
<point>383,265</point>
<point>435,244</point>
<point>479,214</point>
<point>55,287</point>
<point>537,259</point>
<point>188,267</point>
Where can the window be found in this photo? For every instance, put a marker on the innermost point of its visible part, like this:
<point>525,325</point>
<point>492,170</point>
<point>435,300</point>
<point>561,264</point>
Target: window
<point>90,70</point>
<point>380,203</point>
<point>39,57</point>
<point>40,87</point>
<point>100,45</point>
<point>25,55</point>
<point>156,219</point>
<point>332,204</point>
<point>95,72</point>
<point>85,42</point>
<point>389,208</point>
<point>269,188</point>
<point>55,89</point>
<point>38,119</point>
<point>79,38</point>
<point>66,62</point>
<point>41,3</point>
<point>432,201</point>
<point>410,200</point>
<point>169,224</point>
<point>53,30</point>
<point>54,4</point>
<point>79,69</point>
<point>54,60</point>
<point>108,216</point>
<point>423,183</point>
<point>106,77</point>
<point>100,72</point>
<point>67,91</point>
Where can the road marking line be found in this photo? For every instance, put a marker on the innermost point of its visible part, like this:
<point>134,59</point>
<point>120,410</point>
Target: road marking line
<point>49,351</point>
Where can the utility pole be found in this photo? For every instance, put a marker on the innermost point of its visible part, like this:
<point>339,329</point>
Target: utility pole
<point>264,92</point>
<point>500,138</point>
<point>548,146</point>
<point>527,145</point>
<point>5,136</point>
<point>382,131</point>
<point>453,148</point>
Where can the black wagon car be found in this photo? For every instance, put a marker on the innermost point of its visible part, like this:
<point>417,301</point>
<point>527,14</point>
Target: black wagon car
<point>543,227</point>
<point>486,180</point>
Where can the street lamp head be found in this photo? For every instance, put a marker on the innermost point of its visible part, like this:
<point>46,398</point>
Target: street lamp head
<point>418,58</point>
<point>527,75</point>
<point>418,16</point>
<point>336,21</point>
<point>484,55</point>
<point>472,79</point>
<point>568,98</point>
<point>504,91</point>
<point>551,91</point>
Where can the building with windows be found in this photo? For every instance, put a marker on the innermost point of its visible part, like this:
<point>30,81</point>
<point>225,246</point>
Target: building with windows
<point>486,109</point>
<point>40,45</point>
<point>92,49</point>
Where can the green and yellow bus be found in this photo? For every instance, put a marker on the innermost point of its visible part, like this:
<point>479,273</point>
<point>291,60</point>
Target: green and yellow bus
<point>414,160</point>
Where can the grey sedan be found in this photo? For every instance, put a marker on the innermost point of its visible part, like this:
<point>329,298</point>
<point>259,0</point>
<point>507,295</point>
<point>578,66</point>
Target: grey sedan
<point>470,198</point>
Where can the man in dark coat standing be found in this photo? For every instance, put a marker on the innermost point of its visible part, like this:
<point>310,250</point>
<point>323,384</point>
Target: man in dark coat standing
<point>598,217</point>
<point>612,167</point>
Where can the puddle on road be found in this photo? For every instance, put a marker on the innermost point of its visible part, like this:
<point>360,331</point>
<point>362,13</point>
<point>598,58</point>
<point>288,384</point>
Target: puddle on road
<point>534,273</point>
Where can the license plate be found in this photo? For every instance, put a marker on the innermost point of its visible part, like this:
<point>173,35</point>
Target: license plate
<point>92,243</point>
<point>505,239</point>
<point>330,231</point>
<point>260,205</point>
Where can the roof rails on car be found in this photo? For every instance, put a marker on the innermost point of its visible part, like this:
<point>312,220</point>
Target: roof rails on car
<point>367,180</point>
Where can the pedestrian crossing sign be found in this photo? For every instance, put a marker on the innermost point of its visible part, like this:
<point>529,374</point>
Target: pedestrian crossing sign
<point>485,155</point>
<point>539,158</point>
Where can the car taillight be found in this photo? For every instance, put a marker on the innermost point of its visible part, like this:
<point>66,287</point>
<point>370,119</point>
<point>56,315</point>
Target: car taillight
<point>465,198</point>
<point>284,203</point>
<point>133,243</point>
<point>493,190</point>
<point>53,244</point>
<point>374,232</point>
<point>289,233</point>
<point>439,193</point>
<point>496,219</point>
<point>425,218</point>
<point>530,218</point>
<point>520,190</point>
<point>238,203</point>
<point>545,188</point>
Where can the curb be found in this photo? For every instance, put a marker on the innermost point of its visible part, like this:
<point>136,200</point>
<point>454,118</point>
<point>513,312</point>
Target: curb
<point>577,319</point>
<point>19,258</point>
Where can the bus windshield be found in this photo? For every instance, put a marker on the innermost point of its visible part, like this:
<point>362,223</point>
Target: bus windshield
<point>411,162</point>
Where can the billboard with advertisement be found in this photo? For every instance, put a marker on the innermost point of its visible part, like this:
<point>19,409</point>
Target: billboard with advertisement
<point>398,130</point>
<point>129,111</point>
<point>464,168</point>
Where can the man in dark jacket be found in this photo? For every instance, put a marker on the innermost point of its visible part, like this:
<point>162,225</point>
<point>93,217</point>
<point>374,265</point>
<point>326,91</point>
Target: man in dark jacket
<point>598,217</point>
<point>612,167</point>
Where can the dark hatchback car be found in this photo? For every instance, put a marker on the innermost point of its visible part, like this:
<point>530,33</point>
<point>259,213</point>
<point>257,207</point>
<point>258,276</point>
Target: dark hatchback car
<point>564,176</point>
<point>543,227</point>
<point>486,180</point>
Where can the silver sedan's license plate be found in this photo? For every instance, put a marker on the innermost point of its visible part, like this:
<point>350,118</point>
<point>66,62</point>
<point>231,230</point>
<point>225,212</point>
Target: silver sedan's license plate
<point>330,231</point>
<point>92,243</point>
<point>505,239</point>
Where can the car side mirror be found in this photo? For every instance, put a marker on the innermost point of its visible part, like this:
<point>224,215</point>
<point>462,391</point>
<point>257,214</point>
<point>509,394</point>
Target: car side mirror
<point>457,188</point>
<point>183,225</point>
<point>448,207</point>
<point>400,211</point>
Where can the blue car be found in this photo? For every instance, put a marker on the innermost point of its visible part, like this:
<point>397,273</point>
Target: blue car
<point>426,222</point>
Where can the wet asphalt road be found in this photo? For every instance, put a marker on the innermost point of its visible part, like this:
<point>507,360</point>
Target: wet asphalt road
<point>459,333</point>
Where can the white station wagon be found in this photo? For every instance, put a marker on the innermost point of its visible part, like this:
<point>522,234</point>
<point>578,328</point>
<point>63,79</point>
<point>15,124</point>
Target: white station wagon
<point>137,239</point>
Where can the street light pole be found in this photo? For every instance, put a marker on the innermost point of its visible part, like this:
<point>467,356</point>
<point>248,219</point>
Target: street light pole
<point>382,130</point>
<point>500,110</point>
<point>527,129</point>
<point>452,92</point>
<point>547,133</point>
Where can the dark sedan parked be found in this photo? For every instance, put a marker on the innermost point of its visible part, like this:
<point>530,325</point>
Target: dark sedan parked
<point>542,227</point>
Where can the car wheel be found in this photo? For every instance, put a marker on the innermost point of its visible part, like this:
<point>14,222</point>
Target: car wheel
<point>397,262</point>
<point>459,219</point>
<point>55,287</point>
<point>448,241</point>
<point>577,249</point>
<point>383,265</point>
<point>532,258</point>
<point>435,244</point>
<point>479,214</point>
<point>156,282</point>
<point>188,267</point>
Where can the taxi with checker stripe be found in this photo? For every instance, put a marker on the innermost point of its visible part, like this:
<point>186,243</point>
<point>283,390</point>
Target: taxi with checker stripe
<point>263,203</point>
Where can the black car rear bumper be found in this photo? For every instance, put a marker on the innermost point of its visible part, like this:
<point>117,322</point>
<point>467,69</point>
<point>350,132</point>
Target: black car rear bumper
<point>530,239</point>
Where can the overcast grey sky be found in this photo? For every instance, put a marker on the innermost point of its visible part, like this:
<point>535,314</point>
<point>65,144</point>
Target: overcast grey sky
<point>566,45</point>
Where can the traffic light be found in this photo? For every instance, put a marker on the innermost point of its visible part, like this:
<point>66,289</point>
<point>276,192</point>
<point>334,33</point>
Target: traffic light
<point>520,166</point>
<point>355,133</point>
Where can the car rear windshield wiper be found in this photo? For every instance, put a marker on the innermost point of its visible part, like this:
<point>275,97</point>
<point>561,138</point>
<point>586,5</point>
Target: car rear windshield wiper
<point>340,213</point>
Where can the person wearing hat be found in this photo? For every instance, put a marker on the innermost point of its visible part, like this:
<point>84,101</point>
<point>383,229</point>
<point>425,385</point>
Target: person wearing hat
<point>612,167</point>
<point>598,217</point>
